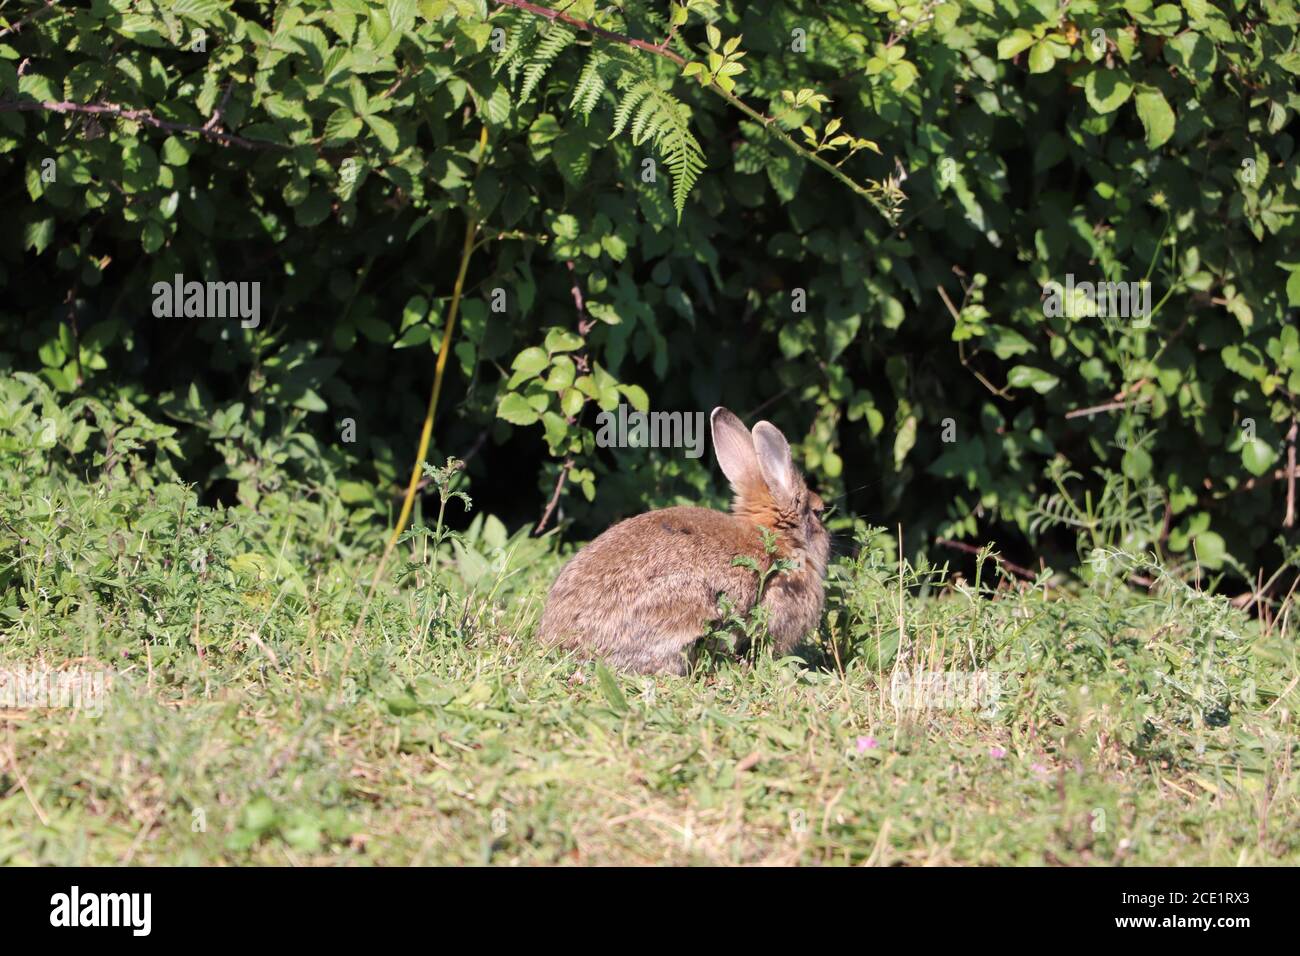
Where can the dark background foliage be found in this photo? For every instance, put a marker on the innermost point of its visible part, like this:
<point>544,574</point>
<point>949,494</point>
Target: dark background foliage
<point>1112,141</point>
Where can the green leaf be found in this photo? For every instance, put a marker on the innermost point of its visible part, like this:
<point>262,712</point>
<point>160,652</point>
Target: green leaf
<point>609,687</point>
<point>1293,289</point>
<point>259,815</point>
<point>1009,46</point>
<point>377,331</point>
<point>1136,464</point>
<point>37,235</point>
<point>904,441</point>
<point>314,210</point>
<point>1007,343</point>
<point>1211,550</point>
<point>415,335</point>
<point>636,396</point>
<point>1258,456</point>
<point>176,152</point>
<point>1289,61</point>
<point>415,310</point>
<point>152,237</point>
<point>384,131</point>
<point>529,362</point>
<point>565,226</point>
<point>1107,90</point>
<point>1041,57</point>
<point>516,410</point>
<point>1193,54</point>
<point>204,11</point>
<point>561,375</point>
<point>1156,115</point>
<point>1026,376</point>
<point>571,402</point>
<point>342,126</point>
<point>562,340</point>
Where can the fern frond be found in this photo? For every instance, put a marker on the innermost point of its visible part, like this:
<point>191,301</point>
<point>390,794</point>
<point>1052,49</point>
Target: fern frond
<point>652,114</point>
<point>659,117</point>
<point>591,83</point>
<point>631,99</point>
<point>519,39</point>
<point>552,44</point>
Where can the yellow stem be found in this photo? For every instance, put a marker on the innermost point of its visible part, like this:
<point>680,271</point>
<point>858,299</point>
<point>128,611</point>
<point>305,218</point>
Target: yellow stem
<point>426,432</point>
<point>471,227</point>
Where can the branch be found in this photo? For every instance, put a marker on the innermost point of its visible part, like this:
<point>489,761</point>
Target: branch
<point>1108,407</point>
<point>547,13</point>
<point>219,114</point>
<point>961,352</point>
<point>555,496</point>
<point>767,122</point>
<point>585,324</point>
<point>1015,569</point>
<point>1289,520</point>
<point>144,117</point>
<point>49,6</point>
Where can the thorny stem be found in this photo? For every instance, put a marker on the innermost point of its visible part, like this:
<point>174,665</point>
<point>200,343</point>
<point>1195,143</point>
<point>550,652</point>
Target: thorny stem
<point>143,117</point>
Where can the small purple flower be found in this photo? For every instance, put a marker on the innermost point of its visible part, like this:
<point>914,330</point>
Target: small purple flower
<point>867,743</point>
<point>1039,768</point>
<point>997,753</point>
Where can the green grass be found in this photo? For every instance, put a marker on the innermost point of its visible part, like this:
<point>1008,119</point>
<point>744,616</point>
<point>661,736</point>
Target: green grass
<point>248,722</point>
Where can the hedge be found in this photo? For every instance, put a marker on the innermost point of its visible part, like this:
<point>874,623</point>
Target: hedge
<point>871,222</point>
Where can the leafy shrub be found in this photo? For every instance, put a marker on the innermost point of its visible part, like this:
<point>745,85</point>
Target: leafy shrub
<point>330,150</point>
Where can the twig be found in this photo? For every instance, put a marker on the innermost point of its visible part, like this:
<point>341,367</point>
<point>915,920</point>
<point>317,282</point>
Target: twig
<point>475,448</point>
<point>218,114</point>
<point>1108,407</point>
<point>22,780</point>
<point>971,549</point>
<point>143,117</point>
<point>1250,484</point>
<point>961,352</point>
<point>1289,520</point>
<point>672,33</point>
<point>585,324</point>
<point>548,13</point>
<point>555,496</point>
<point>952,309</point>
<point>762,407</point>
<point>927,13</point>
<point>49,5</point>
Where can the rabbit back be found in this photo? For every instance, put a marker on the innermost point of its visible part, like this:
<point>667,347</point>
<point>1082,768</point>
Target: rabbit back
<point>647,589</point>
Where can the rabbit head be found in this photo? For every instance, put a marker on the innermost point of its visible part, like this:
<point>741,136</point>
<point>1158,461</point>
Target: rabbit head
<point>769,491</point>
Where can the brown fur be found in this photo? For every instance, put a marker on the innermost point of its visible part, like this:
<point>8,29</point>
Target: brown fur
<point>644,592</point>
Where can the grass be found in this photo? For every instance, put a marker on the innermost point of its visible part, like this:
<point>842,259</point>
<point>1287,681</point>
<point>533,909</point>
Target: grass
<point>249,721</point>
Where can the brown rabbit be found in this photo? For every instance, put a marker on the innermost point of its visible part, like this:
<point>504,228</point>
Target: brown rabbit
<point>646,590</point>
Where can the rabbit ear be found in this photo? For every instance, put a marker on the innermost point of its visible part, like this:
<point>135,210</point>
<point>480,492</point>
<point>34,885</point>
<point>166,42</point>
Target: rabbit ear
<point>774,461</point>
<point>734,447</point>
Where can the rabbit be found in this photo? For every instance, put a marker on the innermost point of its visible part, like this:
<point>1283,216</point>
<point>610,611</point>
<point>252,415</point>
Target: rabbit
<point>646,590</point>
